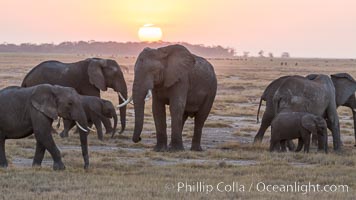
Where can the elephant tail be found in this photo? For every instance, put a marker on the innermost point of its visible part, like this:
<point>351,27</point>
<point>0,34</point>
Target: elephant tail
<point>258,111</point>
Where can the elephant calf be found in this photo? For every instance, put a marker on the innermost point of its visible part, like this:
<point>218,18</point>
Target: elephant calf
<point>97,110</point>
<point>292,125</point>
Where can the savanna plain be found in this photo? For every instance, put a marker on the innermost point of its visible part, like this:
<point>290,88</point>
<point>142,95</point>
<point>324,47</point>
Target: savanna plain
<point>120,169</point>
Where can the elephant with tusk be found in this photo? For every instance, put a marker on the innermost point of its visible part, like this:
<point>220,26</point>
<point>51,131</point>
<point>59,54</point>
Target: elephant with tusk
<point>87,77</point>
<point>27,111</point>
<point>173,76</point>
<point>97,110</point>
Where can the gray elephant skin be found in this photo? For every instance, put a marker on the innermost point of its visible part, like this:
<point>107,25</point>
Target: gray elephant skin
<point>87,77</point>
<point>185,82</point>
<point>314,93</point>
<point>26,111</point>
<point>345,87</point>
<point>292,125</point>
<point>96,110</point>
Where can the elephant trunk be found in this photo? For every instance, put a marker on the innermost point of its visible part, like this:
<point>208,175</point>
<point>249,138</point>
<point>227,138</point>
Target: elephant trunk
<point>139,95</point>
<point>115,122</point>
<point>121,88</point>
<point>80,119</point>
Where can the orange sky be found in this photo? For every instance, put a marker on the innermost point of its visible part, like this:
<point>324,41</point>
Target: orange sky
<point>311,28</point>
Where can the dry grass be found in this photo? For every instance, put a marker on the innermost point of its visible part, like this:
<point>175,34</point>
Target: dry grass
<point>120,169</point>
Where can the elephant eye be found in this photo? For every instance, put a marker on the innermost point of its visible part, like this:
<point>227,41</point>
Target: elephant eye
<point>70,103</point>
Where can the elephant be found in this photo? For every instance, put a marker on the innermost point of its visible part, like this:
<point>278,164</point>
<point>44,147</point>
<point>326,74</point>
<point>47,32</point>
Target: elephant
<point>87,77</point>
<point>292,125</point>
<point>180,79</point>
<point>345,87</point>
<point>97,110</point>
<point>27,111</point>
<point>269,113</point>
<point>316,96</point>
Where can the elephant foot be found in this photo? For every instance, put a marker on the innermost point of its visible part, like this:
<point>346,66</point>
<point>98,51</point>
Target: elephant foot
<point>196,148</point>
<point>3,165</point>
<point>86,166</point>
<point>257,140</point>
<point>63,134</point>
<point>160,148</point>
<point>175,148</point>
<point>59,166</point>
<point>101,138</point>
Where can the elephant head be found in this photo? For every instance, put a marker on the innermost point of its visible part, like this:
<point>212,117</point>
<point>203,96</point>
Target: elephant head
<point>345,87</point>
<point>154,68</point>
<point>109,111</point>
<point>54,101</point>
<point>317,126</point>
<point>104,73</point>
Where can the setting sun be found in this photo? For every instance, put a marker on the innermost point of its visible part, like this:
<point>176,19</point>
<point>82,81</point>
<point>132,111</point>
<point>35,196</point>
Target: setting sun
<point>150,33</point>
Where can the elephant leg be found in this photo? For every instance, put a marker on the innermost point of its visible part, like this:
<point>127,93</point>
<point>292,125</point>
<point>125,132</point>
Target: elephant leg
<point>300,145</point>
<point>159,115</point>
<point>84,146</point>
<point>334,126</point>
<point>273,145</point>
<point>306,139</point>
<point>199,121</point>
<point>314,140</point>
<point>290,145</point>
<point>3,161</point>
<point>185,117</point>
<point>283,145</point>
<point>177,110</point>
<point>267,118</point>
<point>354,117</point>
<point>68,124</point>
<point>46,139</point>
<point>39,154</point>
<point>107,124</point>
<point>99,128</point>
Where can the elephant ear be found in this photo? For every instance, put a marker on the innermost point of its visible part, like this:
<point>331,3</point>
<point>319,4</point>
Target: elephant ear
<point>95,72</point>
<point>345,87</point>
<point>44,100</point>
<point>309,124</point>
<point>179,61</point>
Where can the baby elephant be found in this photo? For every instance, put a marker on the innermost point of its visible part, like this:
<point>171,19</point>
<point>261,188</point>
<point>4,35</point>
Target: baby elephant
<point>292,125</point>
<point>97,110</point>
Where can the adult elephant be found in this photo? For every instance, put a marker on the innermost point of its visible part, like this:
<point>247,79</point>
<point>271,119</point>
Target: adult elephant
<point>345,87</point>
<point>268,115</point>
<point>25,111</point>
<point>185,82</point>
<point>317,96</point>
<point>87,77</point>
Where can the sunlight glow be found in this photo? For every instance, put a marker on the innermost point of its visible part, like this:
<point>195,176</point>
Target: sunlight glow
<point>150,33</point>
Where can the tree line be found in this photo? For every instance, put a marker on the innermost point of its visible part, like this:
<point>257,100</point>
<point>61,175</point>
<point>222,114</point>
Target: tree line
<point>112,48</point>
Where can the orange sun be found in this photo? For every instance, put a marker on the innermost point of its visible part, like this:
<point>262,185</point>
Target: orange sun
<point>150,33</point>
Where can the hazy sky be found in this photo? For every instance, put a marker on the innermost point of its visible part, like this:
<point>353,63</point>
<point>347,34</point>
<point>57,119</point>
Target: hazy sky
<point>312,28</point>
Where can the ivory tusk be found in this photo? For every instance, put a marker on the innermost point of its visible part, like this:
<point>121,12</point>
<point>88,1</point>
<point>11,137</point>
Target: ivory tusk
<point>124,103</point>
<point>90,129</point>
<point>81,128</point>
<point>148,95</point>
<point>122,97</point>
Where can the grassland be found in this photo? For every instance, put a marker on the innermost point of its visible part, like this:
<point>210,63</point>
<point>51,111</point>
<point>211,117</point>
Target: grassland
<point>120,169</point>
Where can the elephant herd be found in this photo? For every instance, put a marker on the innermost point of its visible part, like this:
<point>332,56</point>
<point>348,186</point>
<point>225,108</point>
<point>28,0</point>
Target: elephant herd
<point>296,106</point>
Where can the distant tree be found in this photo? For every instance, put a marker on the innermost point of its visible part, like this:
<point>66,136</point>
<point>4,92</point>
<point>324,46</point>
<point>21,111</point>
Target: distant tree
<point>246,54</point>
<point>285,55</point>
<point>260,54</point>
<point>270,55</point>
